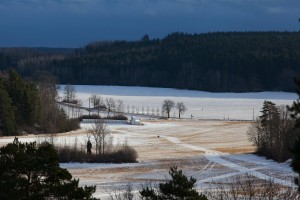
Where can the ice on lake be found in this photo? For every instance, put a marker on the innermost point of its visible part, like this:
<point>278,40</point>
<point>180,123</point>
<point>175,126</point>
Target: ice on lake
<point>201,105</point>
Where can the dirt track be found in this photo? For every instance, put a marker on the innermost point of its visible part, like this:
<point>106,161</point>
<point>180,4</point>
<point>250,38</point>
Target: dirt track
<point>207,150</point>
<point>151,144</point>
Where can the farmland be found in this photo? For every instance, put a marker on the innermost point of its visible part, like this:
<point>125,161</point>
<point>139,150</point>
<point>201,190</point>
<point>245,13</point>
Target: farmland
<point>212,147</point>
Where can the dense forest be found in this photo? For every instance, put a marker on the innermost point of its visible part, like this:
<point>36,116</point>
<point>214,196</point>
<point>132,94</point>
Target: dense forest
<point>218,62</point>
<point>28,107</point>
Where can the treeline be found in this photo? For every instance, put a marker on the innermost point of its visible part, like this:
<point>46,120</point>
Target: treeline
<point>231,61</point>
<point>273,132</point>
<point>27,107</point>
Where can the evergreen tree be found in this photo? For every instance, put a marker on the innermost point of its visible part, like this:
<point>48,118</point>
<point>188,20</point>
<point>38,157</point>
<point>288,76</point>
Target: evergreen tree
<point>24,96</point>
<point>272,132</point>
<point>30,107</point>
<point>269,113</point>
<point>296,150</point>
<point>296,106</point>
<point>8,125</point>
<point>178,188</point>
<point>15,88</point>
<point>31,172</point>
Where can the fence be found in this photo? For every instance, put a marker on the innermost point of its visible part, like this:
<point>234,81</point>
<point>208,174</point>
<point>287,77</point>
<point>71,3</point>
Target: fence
<point>106,121</point>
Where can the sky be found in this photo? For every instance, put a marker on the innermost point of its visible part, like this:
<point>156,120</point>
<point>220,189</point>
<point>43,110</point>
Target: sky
<point>75,23</point>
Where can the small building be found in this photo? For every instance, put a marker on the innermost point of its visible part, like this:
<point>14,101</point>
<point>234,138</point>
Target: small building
<point>135,121</point>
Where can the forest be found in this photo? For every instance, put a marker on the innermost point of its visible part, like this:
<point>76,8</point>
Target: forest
<point>30,107</point>
<point>216,62</point>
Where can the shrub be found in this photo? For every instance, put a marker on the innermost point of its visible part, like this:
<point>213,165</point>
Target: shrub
<point>118,117</point>
<point>125,154</point>
<point>93,116</point>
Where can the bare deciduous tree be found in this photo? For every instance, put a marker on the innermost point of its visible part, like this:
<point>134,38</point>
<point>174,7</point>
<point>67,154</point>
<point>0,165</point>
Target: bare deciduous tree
<point>255,133</point>
<point>69,93</point>
<point>100,134</point>
<point>248,187</point>
<point>181,108</point>
<point>51,118</point>
<point>119,194</point>
<point>94,100</point>
<point>97,102</point>
<point>110,105</point>
<point>167,106</point>
<point>120,107</point>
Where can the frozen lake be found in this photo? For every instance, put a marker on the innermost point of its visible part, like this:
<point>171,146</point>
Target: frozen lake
<point>202,105</point>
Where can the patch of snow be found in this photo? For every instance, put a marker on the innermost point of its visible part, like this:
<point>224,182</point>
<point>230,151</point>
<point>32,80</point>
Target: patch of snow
<point>201,105</point>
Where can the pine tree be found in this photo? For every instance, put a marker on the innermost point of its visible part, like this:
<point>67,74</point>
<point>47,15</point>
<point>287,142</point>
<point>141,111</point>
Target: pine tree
<point>269,112</point>
<point>30,172</point>
<point>179,187</point>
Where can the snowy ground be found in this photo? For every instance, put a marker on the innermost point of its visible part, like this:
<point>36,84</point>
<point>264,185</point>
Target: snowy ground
<point>208,150</point>
<point>202,105</point>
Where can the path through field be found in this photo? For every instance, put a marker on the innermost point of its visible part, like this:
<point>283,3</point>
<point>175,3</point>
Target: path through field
<point>209,151</point>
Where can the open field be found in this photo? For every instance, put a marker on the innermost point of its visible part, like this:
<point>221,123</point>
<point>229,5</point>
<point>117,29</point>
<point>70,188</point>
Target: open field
<point>207,150</point>
<point>212,151</point>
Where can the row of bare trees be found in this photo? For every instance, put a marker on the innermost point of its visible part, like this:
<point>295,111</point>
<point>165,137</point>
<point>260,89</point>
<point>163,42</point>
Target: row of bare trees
<point>109,104</point>
<point>118,106</point>
<point>168,105</point>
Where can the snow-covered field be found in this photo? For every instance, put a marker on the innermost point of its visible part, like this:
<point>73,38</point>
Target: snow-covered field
<point>208,150</point>
<point>202,105</point>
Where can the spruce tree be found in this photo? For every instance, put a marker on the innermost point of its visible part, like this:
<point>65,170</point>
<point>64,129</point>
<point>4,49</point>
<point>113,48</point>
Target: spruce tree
<point>8,125</point>
<point>178,188</point>
<point>30,172</point>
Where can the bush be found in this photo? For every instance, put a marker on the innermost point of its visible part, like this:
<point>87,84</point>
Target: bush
<point>93,116</point>
<point>125,154</point>
<point>118,117</point>
<point>71,154</point>
<point>75,101</point>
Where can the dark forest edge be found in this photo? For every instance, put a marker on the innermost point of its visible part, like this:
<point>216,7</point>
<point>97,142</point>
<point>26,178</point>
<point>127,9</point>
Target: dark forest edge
<point>30,107</point>
<point>217,62</point>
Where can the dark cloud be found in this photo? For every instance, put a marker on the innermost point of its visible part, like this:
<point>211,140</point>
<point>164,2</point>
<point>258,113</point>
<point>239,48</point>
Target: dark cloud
<point>77,22</point>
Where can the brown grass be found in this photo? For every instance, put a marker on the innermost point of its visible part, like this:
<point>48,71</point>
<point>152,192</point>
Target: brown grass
<point>233,150</point>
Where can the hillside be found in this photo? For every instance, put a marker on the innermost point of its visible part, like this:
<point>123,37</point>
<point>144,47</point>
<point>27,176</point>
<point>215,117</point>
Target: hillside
<point>218,62</point>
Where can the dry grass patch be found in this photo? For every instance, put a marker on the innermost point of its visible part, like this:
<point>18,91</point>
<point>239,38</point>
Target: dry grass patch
<point>236,150</point>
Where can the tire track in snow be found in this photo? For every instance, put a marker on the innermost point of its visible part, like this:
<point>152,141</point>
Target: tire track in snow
<point>215,156</point>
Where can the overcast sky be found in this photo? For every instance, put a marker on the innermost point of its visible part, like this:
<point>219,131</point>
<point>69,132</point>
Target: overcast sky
<point>74,23</point>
